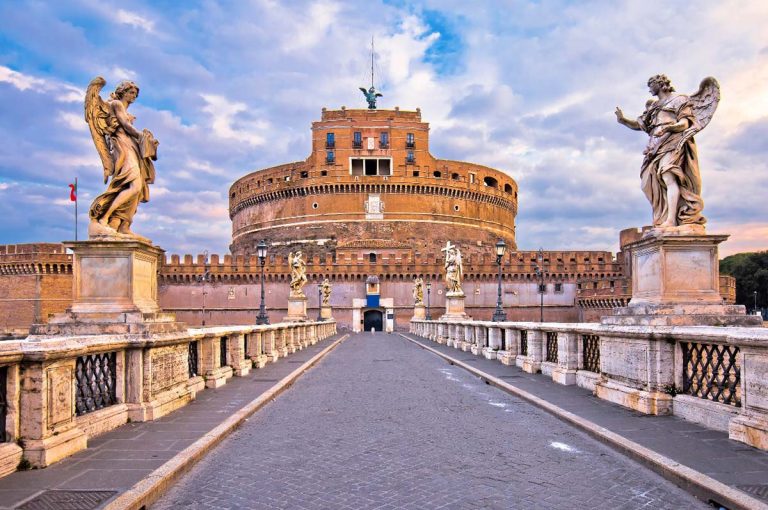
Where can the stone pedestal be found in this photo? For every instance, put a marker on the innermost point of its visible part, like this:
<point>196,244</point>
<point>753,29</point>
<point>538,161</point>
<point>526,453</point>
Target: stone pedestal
<point>419,312</point>
<point>675,282</point>
<point>454,308</point>
<point>297,309</point>
<point>326,313</point>
<point>114,291</point>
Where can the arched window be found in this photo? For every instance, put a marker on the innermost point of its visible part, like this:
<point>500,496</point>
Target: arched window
<point>372,257</point>
<point>455,176</point>
<point>507,188</point>
<point>490,182</point>
<point>437,174</point>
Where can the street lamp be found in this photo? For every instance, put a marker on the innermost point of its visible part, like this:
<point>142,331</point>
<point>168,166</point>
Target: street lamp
<point>755,294</point>
<point>429,289</point>
<point>540,275</point>
<point>499,315</point>
<point>319,301</point>
<point>261,252</point>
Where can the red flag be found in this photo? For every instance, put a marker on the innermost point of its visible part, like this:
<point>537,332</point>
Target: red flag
<point>73,192</point>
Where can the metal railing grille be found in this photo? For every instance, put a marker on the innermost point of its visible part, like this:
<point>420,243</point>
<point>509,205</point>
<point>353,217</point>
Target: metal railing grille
<point>246,337</point>
<point>552,346</point>
<point>3,401</point>
<point>591,352</point>
<point>524,343</point>
<point>193,359</point>
<point>95,376</point>
<point>223,352</point>
<point>712,372</point>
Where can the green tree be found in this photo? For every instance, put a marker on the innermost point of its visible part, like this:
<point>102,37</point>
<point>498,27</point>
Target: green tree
<point>751,273</point>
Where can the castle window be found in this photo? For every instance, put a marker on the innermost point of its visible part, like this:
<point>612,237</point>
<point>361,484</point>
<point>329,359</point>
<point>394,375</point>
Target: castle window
<point>409,141</point>
<point>330,141</point>
<point>491,182</point>
<point>384,140</point>
<point>357,140</point>
<point>370,166</point>
<point>270,180</point>
<point>287,178</point>
<point>507,188</point>
<point>323,173</point>
<point>437,174</point>
<point>472,178</point>
<point>372,257</point>
<point>329,157</point>
<point>314,205</point>
<point>558,287</point>
<point>410,158</point>
<point>415,173</point>
<point>455,177</point>
<point>304,174</point>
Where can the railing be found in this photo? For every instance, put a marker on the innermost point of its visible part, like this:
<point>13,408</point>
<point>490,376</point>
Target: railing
<point>590,353</point>
<point>96,382</point>
<point>710,375</point>
<point>712,372</point>
<point>552,346</point>
<point>75,388</point>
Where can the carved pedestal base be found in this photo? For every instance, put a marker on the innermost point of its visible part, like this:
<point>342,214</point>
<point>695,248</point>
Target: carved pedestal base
<point>114,291</point>
<point>297,309</point>
<point>419,312</point>
<point>326,313</point>
<point>454,308</point>
<point>675,282</point>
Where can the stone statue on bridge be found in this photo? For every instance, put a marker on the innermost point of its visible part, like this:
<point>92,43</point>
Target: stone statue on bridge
<point>298,274</point>
<point>418,291</point>
<point>670,176</point>
<point>127,156</point>
<point>454,270</point>
<point>325,291</point>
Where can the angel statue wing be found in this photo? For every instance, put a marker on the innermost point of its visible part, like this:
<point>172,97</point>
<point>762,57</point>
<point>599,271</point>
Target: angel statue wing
<point>378,94</point>
<point>704,103</point>
<point>362,89</point>
<point>101,123</point>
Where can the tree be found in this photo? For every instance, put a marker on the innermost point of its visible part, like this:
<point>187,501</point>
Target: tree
<point>751,273</point>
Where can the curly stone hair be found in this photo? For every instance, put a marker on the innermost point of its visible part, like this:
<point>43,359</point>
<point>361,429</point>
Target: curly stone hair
<point>123,87</point>
<point>662,79</point>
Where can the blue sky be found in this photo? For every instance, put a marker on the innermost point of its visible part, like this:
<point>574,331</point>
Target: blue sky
<point>526,87</point>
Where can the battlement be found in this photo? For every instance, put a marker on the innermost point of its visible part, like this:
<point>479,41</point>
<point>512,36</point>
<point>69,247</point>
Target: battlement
<point>366,114</point>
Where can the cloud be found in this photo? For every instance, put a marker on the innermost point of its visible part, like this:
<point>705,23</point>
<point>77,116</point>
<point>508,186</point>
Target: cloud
<point>224,119</point>
<point>134,20</point>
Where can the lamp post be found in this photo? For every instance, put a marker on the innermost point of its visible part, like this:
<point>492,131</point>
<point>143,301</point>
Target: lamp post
<point>319,301</point>
<point>204,279</point>
<point>499,315</point>
<point>261,252</point>
<point>429,289</point>
<point>755,294</point>
<point>540,274</point>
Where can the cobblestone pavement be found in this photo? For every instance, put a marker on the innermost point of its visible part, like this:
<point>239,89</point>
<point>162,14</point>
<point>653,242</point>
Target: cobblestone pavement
<point>381,423</point>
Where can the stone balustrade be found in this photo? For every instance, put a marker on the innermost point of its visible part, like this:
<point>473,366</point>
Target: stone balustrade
<point>715,376</point>
<point>57,392</point>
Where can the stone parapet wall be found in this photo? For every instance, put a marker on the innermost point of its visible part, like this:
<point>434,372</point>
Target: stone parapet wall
<point>62,391</point>
<point>714,376</point>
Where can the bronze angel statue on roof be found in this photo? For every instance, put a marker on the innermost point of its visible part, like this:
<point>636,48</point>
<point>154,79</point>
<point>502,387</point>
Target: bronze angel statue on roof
<point>670,175</point>
<point>370,96</point>
<point>127,157</point>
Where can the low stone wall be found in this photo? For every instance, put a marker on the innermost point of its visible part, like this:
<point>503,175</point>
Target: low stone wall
<point>715,376</point>
<point>58,392</point>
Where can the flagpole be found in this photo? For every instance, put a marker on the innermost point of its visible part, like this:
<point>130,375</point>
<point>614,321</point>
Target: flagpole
<point>75,209</point>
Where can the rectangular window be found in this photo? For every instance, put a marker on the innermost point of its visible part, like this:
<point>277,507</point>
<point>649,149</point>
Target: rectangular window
<point>409,141</point>
<point>385,167</point>
<point>415,173</point>
<point>330,141</point>
<point>357,166</point>
<point>558,287</point>
<point>370,166</point>
<point>471,178</point>
<point>329,157</point>
<point>384,140</point>
<point>357,140</point>
<point>410,158</point>
<point>304,174</point>
<point>542,288</point>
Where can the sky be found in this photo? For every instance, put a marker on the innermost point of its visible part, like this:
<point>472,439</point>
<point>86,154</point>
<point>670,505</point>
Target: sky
<point>528,87</point>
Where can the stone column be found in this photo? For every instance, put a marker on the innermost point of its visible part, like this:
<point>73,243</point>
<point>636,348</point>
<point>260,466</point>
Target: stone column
<point>480,338</point>
<point>238,359</point>
<point>494,342</point>
<point>567,358</point>
<point>257,348</point>
<point>213,370</point>
<point>532,362</point>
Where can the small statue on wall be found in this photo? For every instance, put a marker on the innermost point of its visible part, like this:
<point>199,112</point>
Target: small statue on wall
<point>298,273</point>
<point>418,291</point>
<point>670,176</point>
<point>325,290</point>
<point>127,157</point>
<point>454,270</point>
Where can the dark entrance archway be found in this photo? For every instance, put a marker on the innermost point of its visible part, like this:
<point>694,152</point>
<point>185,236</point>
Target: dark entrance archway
<point>373,319</point>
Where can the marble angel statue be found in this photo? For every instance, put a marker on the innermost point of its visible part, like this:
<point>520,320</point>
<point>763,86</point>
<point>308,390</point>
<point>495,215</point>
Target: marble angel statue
<point>418,291</point>
<point>127,157</point>
<point>454,270</point>
<point>325,290</point>
<point>670,176</point>
<point>298,273</point>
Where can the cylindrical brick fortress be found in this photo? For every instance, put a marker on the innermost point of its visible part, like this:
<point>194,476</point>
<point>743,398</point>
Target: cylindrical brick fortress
<point>370,176</point>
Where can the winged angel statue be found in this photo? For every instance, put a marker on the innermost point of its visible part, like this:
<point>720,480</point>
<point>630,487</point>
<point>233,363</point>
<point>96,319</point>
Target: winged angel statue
<point>127,156</point>
<point>298,273</point>
<point>670,175</point>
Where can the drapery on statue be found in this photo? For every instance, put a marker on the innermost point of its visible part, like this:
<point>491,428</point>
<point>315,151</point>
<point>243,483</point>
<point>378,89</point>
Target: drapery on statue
<point>670,175</point>
<point>126,156</point>
<point>325,290</point>
<point>418,291</point>
<point>454,270</point>
<point>298,274</point>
